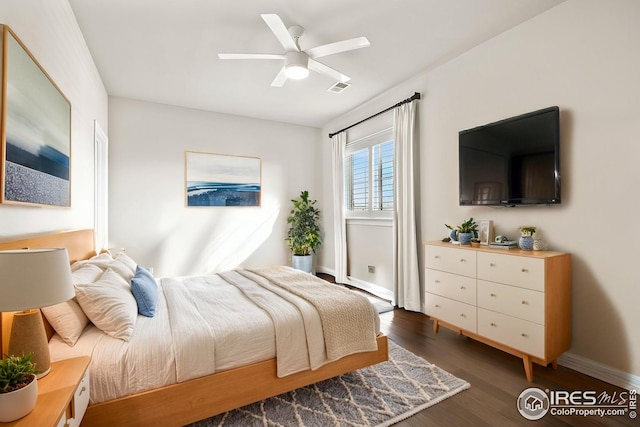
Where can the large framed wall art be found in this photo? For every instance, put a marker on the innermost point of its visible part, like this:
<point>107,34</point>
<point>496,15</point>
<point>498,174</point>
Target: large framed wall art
<point>35,131</point>
<point>222,180</point>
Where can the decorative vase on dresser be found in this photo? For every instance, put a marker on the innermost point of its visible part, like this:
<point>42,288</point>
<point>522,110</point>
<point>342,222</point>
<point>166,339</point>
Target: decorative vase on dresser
<point>517,301</point>
<point>525,243</point>
<point>465,238</point>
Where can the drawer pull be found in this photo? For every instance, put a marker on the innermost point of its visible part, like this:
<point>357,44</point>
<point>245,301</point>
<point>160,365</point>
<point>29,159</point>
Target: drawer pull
<point>491,264</point>
<point>524,302</point>
<point>82,390</point>
<point>437,306</point>
<point>524,270</point>
<point>493,325</point>
<point>463,288</point>
<point>463,315</point>
<point>463,260</point>
<point>437,257</point>
<point>437,281</point>
<point>492,294</point>
<point>524,335</point>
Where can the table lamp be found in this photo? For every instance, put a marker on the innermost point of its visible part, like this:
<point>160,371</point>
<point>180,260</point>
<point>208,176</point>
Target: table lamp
<point>30,279</point>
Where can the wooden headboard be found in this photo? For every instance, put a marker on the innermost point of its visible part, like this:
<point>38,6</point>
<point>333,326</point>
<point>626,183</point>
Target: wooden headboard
<point>79,243</point>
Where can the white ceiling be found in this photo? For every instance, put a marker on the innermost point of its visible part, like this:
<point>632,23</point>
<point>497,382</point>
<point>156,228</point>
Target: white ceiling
<point>165,51</point>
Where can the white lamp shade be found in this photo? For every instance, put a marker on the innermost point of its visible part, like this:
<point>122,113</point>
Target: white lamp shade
<point>296,65</point>
<point>34,278</point>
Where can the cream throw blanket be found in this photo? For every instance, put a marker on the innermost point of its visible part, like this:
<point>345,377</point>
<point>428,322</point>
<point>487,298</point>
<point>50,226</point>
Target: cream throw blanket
<point>348,319</point>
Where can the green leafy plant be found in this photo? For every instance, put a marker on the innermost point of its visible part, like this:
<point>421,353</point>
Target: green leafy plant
<point>468,226</point>
<point>16,372</point>
<point>304,233</point>
<point>527,230</point>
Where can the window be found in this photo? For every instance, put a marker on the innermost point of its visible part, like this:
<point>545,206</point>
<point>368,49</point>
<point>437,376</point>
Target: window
<point>369,176</point>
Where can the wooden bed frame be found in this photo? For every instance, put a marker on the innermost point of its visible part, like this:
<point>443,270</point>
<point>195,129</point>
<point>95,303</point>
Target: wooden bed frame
<point>190,401</point>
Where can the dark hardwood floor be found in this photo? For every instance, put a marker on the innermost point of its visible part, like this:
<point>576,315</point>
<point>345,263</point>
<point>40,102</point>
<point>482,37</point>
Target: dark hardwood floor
<point>497,378</point>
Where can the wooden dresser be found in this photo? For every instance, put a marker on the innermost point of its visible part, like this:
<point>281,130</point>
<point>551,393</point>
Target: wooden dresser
<point>514,300</point>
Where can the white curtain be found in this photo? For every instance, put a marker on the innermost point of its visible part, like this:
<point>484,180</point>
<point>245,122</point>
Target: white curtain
<point>339,222</point>
<point>405,248</point>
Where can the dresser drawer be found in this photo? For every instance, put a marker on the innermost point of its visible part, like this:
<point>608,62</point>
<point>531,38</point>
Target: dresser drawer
<point>451,311</point>
<point>460,288</point>
<point>517,302</point>
<point>519,334</point>
<point>515,270</point>
<point>452,260</point>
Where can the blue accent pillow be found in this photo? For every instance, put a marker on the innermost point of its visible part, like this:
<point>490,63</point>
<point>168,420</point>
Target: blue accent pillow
<point>145,291</point>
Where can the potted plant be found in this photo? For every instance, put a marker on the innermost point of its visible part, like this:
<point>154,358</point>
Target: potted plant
<point>526,237</point>
<point>18,387</point>
<point>304,233</point>
<point>464,232</point>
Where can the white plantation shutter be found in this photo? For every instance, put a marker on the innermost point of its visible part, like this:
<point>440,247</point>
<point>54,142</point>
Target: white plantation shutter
<point>357,190</point>
<point>368,179</point>
<point>382,177</point>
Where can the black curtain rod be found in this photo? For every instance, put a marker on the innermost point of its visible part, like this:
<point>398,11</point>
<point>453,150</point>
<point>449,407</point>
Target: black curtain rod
<point>415,96</point>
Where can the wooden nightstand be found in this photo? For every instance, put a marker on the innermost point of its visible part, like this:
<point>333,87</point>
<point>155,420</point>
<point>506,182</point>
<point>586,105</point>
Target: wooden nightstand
<point>63,396</point>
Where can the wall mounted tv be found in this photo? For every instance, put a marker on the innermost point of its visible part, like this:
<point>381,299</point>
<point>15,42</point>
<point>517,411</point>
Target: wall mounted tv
<point>512,162</point>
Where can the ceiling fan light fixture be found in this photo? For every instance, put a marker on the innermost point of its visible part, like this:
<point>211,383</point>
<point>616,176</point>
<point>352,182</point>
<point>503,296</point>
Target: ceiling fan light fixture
<point>296,65</point>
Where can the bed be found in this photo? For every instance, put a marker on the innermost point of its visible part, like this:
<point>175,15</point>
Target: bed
<point>179,394</point>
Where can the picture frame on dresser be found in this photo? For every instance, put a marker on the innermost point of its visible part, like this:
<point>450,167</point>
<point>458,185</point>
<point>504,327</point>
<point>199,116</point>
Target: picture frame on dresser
<point>485,233</point>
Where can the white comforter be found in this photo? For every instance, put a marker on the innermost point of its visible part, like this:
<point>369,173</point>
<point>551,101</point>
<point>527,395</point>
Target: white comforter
<point>205,324</point>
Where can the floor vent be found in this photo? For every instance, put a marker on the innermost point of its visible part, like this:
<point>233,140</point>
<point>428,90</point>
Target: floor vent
<point>339,87</point>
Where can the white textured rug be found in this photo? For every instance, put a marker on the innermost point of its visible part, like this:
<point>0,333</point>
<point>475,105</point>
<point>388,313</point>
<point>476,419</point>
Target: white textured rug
<point>379,395</point>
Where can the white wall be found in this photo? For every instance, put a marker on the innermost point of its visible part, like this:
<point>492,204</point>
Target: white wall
<point>582,56</point>
<point>370,243</point>
<point>147,213</point>
<point>49,30</point>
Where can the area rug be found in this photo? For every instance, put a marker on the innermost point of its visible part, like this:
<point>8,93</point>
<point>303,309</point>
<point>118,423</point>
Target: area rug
<point>379,395</point>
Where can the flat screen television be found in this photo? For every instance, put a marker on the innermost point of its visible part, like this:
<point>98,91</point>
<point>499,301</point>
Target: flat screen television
<point>512,162</point>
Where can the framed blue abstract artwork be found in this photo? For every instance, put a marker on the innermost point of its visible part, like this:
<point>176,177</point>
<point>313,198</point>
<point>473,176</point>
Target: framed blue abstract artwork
<point>35,131</point>
<point>222,180</point>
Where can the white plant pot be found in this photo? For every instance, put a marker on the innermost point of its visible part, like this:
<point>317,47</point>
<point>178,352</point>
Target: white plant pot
<point>302,262</point>
<point>17,404</point>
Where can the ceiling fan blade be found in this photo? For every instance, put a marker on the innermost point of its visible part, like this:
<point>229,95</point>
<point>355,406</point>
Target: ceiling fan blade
<point>280,79</point>
<point>327,71</point>
<point>280,31</point>
<point>249,56</point>
<point>337,47</point>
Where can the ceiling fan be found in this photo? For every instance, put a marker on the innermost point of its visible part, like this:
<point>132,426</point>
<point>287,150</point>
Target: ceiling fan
<point>298,62</point>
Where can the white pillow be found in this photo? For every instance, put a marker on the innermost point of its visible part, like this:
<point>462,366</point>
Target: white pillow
<point>67,318</point>
<point>87,273</point>
<point>103,260</point>
<point>126,260</point>
<point>122,269</point>
<point>110,305</point>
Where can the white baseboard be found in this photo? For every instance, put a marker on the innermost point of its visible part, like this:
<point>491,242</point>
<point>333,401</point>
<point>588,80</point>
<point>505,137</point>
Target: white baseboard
<point>325,270</point>
<point>376,290</point>
<point>600,371</point>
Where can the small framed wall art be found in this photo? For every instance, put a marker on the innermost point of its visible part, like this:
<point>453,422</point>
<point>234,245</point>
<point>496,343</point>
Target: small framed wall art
<point>222,180</point>
<point>35,131</point>
<point>485,234</point>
